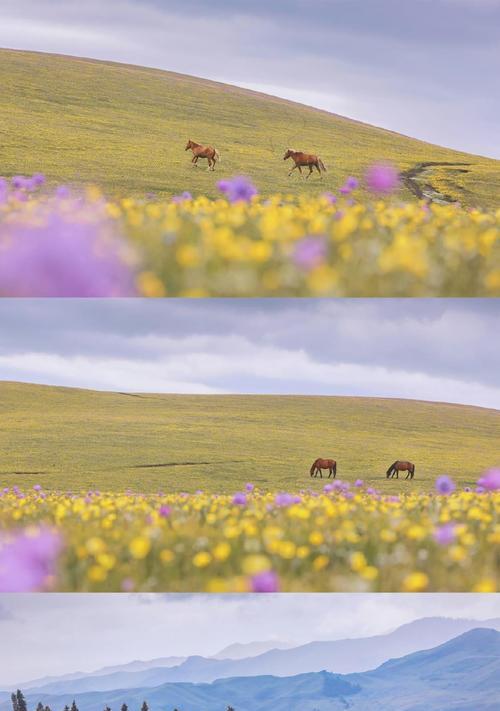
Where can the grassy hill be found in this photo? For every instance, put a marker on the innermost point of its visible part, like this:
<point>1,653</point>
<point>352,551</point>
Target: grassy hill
<point>65,438</point>
<point>125,128</point>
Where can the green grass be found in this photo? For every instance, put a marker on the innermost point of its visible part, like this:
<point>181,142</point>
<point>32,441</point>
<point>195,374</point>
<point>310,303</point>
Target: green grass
<point>125,127</point>
<point>71,439</point>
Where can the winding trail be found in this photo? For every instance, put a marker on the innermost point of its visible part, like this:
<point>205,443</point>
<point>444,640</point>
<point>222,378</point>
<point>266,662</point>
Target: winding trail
<point>416,179</point>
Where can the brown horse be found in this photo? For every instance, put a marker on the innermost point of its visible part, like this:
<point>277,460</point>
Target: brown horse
<point>320,464</point>
<point>209,152</point>
<point>304,160</point>
<point>394,469</point>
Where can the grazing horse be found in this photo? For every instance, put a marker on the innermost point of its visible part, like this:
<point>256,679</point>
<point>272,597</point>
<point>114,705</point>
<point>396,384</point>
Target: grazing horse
<point>304,160</point>
<point>209,152</point>
<point>320,464</point>
<point>394,469</point>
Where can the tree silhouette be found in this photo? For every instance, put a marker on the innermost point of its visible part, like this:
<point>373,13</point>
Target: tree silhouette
<point>144,707</point>
<point>74,707</point>
<point>13,698</point>
<point>39,706</point>
<point>124,707</point>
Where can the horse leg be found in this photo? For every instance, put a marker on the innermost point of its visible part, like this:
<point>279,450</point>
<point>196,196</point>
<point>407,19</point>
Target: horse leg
<point>319,171</point>
<point>310,172</point>
<point>295,166</point>
<point>195,161</point>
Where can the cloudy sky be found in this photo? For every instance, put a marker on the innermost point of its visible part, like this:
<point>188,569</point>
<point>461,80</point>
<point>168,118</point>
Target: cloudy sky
<point>41,629</point>
<point>436,349</point>
<point>427,68</point>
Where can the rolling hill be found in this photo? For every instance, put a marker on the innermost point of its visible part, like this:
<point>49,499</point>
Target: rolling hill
<point>125,127</point>
<point>66,438</point>
<point>460,675</point>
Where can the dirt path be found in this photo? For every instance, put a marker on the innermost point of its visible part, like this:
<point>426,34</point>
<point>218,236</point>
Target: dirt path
<point>417,180</point>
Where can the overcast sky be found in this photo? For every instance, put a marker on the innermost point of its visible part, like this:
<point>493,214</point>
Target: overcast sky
<point>436,349</point>
<point>426,68</point>
<point>51,634</point>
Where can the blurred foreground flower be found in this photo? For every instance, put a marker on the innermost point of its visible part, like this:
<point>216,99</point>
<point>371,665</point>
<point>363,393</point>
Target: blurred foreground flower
<point>238,189</point>
<point>59,250</point>
<point>382,179</point>
<point>28,560</point>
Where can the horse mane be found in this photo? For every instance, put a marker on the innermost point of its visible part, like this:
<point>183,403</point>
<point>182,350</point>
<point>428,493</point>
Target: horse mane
<point>391,467</point>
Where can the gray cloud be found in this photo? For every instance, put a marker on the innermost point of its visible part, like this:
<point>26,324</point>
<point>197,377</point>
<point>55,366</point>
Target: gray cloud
<point>425,68</point>
<point>435,349</point>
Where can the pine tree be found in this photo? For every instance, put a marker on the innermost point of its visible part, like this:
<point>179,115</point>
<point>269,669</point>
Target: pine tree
<point>21,701</point>
<point>47,708</point>
<point>145,707</point>
<point>14,702</point>
<point>124,707</point>
<point>74,707</point>
<point>66,708</point>
<point>39,706</point>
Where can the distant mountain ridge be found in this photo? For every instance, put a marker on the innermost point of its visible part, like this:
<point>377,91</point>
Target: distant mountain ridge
<point>462,674</point>
<point>339,656</point>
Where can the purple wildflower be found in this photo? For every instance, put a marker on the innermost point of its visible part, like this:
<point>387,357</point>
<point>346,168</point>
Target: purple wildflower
<point>350,184</point>
<point>165,511</point>
<point>59,255</point>
<point>359,482</point>
<point>445,485</point>
<point>238,189</point>
<point>186,196</point>
<point>490,481</point>
<point>249,487</point>
<point>310,252</point>
<point>28,561</point>
<point>330,197</point>
<point>4,191</point>
<point>382,179</point>
<point>445,535</point>
<point>240,499</point>
<point>266,582</point>
<point>284,499</point>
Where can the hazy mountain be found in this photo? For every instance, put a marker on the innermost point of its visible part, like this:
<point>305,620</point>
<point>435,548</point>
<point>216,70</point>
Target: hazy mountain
<point>339,656</point>
<point>461,675</point>
<point>253,649</point>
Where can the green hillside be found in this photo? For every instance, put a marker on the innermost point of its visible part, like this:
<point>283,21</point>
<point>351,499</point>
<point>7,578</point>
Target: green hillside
<point>125,128</point>
<point>72,439</point>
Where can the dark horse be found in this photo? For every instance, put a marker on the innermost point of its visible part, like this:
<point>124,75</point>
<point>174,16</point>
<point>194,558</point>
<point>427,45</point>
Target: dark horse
<point>394,469</point>
<point>208,152</point>
<point>320,464</point>
<point>304,160</point>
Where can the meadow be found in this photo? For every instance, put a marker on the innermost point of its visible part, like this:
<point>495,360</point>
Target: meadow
<point>124,128</point>
<point>67,439</point>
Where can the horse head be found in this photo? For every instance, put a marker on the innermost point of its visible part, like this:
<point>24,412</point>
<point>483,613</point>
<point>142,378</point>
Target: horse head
<point>288,154</point>
<point>189,145</point>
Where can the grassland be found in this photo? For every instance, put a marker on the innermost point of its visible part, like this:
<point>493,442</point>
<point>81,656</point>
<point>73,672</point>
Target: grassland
<point>124,128</point>
<point>73,439</point>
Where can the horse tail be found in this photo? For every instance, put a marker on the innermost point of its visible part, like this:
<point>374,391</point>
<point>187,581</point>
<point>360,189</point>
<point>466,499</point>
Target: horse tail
<point>217,157</point>
<point>321,165</point>
<point>313,467</point>
<point>393,466</point>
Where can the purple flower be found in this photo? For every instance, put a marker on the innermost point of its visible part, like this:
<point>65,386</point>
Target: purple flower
<point>28,561</point>
<point>186,196</point>
<point>490,481</point>
<point>382,179</point>
<point>238,189</point>
<point>61,255</point>
<point>358,482</point>
<point>4,191</point>
<point>240,499</point>
<point>284,499</point>
<point>332,199</point>
<point>445,485</point>
<point>63,192</point>
<point>266,582</point>
<point>445,535</point>
<point>310,252</point>
<point>350,184</point>
<point>249,487</point>
<point>165,511</point>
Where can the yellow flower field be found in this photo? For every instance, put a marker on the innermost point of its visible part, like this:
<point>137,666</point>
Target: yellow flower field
<point>345,539</point>
<point>279,246</point>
